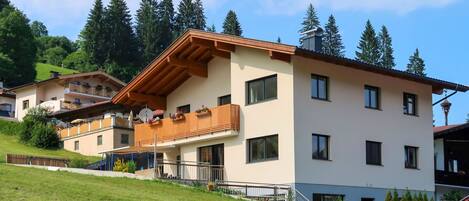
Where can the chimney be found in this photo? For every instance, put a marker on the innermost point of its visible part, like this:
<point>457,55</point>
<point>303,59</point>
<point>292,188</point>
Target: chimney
<point>312,39</point>
<point>54,74</point>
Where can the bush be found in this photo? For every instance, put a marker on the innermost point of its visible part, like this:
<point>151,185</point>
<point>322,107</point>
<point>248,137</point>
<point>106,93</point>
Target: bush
<point>131,167</point>
<point>55,55</point>
<point>36,115</point>
<point>9,127</point>
<point>121,166</point>
<point>44,136</point>
<point>79,60</point>
<point>118,166</point>
<point>78,163</point>
<point>452,196</point>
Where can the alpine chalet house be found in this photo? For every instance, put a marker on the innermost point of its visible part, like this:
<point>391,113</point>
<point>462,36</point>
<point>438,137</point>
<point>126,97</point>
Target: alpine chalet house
<point>273,113</point>
<point>66,92</point>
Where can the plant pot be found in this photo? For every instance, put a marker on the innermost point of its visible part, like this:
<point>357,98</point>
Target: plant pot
<point>203,113</point>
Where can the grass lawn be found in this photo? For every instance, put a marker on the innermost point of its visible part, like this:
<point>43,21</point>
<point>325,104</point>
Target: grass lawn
<point>21,183</point>
<point>10,145</point>
<point>43,71</point>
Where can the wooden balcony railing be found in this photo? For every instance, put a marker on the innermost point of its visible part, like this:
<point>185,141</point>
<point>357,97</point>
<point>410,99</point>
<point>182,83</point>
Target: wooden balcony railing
<point>91,90</point>
<point>218,119</point>
<point>94,125</point>
<point>451,178</point>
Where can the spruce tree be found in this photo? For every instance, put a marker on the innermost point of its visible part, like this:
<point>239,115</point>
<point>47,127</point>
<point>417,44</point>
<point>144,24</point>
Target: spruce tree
<point>39,29</point>
<point>231,24</point>
<point>147,30</point>
<point>3,4</point>
<point>199,16</point>
<point>416,64</point>
<point>166,29</point>
<point>332,41</point>
<point>94,35</point>
<point>368,48</point>
<point>385,48</point>
<point>123,51</point>
<point>311,20</point>
<point>211,28</point>
<point>185,16</point>
<point>279,40</point>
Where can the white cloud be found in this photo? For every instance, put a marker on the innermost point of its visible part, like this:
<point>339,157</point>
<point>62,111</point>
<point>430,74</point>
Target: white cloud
<point>290,7</point>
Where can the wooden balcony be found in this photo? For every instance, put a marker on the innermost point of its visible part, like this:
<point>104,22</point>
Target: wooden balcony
<point>451,178</point>
<point>92,126</point>
<point>192,125</point>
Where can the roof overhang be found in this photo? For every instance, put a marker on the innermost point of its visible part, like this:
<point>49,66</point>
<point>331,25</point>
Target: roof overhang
<point>190,53</point>
<point>464,128</point>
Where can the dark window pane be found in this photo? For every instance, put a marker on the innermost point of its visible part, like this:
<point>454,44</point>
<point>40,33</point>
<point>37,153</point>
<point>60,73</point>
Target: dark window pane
<point>263,148</point>
<point>314,87</point>
<point>124,139</point>
<point>223,100</point>
<point>323,147</point>
<point>319,87</point>
<point>322,88</point>
<point>320,147</point>
<point>371,97</point>
<point>271,147</point>
<point>257,149</point>
<point>373,153</point>
<point>184,109</point>
<point>271,87</point>
<point>411,157</point>
<point>256,91</point>
<point>315,146</point>
<point>327,197</point>
<point>410,102</point>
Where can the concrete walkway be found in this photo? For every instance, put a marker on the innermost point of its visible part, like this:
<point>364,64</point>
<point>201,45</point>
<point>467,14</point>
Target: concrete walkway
<point>90,172</point>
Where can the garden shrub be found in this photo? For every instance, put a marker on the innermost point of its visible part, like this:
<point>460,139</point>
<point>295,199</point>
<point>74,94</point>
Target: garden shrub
<point>131,167</point>
<point>78,163</point>
<point>44,136</point>
<point>452,196</point>
<point>118,165</point>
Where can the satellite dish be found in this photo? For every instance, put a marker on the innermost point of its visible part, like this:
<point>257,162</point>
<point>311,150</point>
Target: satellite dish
<point>145,115</point>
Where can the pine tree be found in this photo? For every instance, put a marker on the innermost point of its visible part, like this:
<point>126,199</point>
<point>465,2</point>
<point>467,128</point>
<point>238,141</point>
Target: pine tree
<point>332,41</point>
<point>94,35</point>
<point>123,51</point>
<point>385,48</point>
<point>368,48</point>
<point>211,28</point>
<point>166,29</point>
<point>231,24</point>
<point>3,4</point>
<point>147,30</point>
<point>311,20</point>
<point>185,16</point>
<point>416,64</point>
<point>388,196</point>
<point>199,16</point>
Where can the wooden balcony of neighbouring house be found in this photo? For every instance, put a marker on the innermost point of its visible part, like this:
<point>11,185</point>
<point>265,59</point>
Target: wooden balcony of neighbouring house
<point>211,123</point>
<point>92,126</point>
<point>452,178</point>
<point>86,90</point>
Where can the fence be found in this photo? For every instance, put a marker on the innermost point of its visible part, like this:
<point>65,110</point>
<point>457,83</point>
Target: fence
<point>36,160</point>
<point>256,191</point>
<point>189,171</point>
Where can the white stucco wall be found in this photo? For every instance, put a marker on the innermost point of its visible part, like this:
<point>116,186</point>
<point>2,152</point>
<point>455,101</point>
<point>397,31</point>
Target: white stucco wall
<point>88,142</point>
<point>27,93</point>
<point>349,124</point>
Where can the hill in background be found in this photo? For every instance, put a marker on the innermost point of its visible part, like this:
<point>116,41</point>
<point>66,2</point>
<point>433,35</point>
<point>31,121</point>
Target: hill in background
<point>43,71</point>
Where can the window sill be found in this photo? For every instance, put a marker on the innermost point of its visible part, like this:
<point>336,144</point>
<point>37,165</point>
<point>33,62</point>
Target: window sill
<point>411,115</point>
<point>262,101</point>
<point>411,168</point>
<point>320,99</point>
<point>378,165</point>
<point>371,108</point>
<point>260,161</point>
<point>319,159</point>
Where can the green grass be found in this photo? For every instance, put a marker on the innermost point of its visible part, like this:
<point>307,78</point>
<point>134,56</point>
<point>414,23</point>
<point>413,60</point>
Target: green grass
<point>43,71</point>
<point>10,145</point>
<point>20,183</point>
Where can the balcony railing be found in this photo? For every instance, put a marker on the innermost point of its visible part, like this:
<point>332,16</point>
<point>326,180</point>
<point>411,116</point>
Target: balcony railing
<point>451,178</point>
<point>94,125</point>
<point>91,90</point>
<point>218,119</point>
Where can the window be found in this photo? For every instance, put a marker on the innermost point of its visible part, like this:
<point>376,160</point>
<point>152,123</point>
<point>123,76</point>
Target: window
<point>263,148</point>
<point>373,153</point>
<point>124,138</point>
<point>410,104</point>
<point>53,98</point>
<point>223,100</point>
<point>262,89</point>
<point>25,104</point>
<point>327,197</point>
<point>184,109</point>
<point>77,145</point>
<point>77,101</point>
<point>411,157</point>
<point>100,140</point>
<point>371,96</point>
<point>320,147</point>
<point>319,86</point>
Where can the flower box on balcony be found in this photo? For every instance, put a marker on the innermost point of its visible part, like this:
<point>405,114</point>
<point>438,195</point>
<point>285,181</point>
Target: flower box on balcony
<point>204,111</point>
<point>178,117</point>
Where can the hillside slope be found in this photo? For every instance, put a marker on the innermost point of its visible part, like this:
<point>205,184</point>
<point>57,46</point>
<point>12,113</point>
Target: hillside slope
<point>43,71</point>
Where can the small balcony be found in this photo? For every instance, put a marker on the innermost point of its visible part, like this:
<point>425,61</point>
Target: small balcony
<point>97,91</point>
<point>451,178</point>
<point>218,122</point>
<point>94,125</point>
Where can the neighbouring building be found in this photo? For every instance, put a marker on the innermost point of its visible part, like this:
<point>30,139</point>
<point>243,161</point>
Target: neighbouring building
<point>451,159</point>
<point>273,113</point>
<point>65,92</point>
<point>96,129</point>
<point>7,103</point>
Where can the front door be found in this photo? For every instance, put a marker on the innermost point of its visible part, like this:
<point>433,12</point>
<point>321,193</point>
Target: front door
<point>211,160</point>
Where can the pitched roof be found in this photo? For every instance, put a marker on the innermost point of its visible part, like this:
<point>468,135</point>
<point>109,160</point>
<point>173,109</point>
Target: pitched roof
<point>70,76</point>
<point>194,49</point>
<point>443,130</point>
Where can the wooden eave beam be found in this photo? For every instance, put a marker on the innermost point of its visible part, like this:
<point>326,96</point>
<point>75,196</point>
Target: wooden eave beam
<point>280,56</point>
<point>194,68</point>
<point>155,102</point>
<point>225,46</point>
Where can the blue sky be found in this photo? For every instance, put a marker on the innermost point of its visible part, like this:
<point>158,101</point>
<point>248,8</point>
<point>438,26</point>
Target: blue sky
<point>437,27</point>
